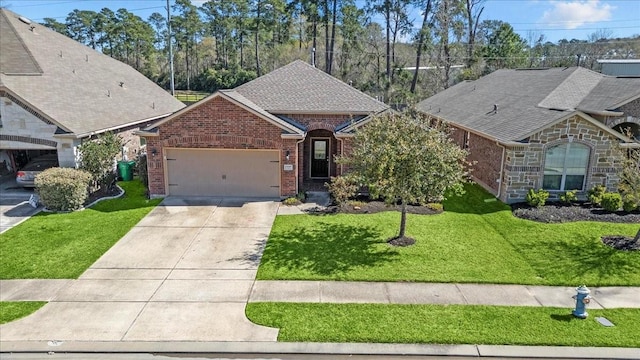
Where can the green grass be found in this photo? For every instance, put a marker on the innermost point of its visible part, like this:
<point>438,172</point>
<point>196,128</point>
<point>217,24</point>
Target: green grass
<point>440,324</point>
<point>190,96</point>
<point>10,311</point>
<point>63,246</point>
<point>472,241</point>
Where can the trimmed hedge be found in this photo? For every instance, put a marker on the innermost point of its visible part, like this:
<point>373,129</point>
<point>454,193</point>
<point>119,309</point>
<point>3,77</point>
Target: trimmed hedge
<point>63,189</point>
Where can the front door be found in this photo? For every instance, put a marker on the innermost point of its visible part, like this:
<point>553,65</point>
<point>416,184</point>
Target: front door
<point>320,158</point>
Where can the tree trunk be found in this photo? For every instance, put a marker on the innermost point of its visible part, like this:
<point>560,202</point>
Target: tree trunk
<point>403,219</point>
<point>424,28</point>
<point>387,11</point>
<point>315,40</point>
<point>325,19</point>
<point>256,41</point>
<point>333,35</point>
<point>472,24</point>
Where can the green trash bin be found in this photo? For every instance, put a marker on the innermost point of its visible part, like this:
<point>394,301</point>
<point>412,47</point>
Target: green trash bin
<point>125,170</point>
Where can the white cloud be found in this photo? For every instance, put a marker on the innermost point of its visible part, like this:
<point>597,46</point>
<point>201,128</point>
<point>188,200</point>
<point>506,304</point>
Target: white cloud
<point>573,14</point>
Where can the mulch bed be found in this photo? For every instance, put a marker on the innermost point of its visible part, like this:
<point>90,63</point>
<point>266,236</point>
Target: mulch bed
<point>619,242</point>
<point>372,207</point>
<point>113,191</point>
<point>559,213</point>
<point>401,241</point>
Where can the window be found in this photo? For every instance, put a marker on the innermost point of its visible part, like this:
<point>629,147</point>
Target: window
<point>565,167</point>
<point>466,140</point>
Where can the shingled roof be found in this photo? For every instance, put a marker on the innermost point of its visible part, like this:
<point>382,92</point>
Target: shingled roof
<point>301,88</point>
<point>81,90</point>
<point>528,100</point>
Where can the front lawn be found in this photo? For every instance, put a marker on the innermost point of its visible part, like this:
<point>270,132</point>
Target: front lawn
<point>473,241</point>
<point>10,311</point>
<point>441,324</point>
<point>63,246</point>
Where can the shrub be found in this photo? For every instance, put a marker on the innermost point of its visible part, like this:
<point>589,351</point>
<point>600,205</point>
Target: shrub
<point>141,164</point>
<point>569,197</point>
<point>97,156</point>
<point>595,194</point>
<point>63,189</point>
<point>537,198</point>
<point>291,201</point>
<point>611,201</point>
<point>435,206</point>
<point>301,196</point>
<point>342,188</point>
<point>629,203</point>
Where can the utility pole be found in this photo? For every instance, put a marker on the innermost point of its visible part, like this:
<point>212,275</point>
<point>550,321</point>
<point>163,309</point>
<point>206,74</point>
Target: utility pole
<point>173,86</point>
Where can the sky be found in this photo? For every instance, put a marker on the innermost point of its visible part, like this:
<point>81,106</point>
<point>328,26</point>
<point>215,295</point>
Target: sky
<point>569,19</point>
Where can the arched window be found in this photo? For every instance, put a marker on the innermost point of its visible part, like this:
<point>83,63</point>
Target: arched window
<point>565,167</point>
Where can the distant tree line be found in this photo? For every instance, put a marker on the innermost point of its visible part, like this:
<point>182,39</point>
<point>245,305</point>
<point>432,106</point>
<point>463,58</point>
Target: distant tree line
<point>224,43</point>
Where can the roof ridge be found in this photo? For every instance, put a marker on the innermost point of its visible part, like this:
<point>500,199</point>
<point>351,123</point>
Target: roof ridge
<point>4,12</point>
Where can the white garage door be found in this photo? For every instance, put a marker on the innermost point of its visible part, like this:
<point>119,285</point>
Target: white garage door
<point>207,172</point>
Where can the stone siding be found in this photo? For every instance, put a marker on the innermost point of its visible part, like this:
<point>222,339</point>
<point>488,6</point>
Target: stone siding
<point>218,124</point>
<point>524,165</point>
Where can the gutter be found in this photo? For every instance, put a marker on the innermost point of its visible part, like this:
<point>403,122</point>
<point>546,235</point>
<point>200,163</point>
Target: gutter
<point>504,150</point>
<point>602,112</point>
<point>298,164</point>
<point>96,132</point>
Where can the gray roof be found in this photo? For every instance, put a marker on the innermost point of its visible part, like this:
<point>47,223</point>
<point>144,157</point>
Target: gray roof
<point>527,99</point>
<point>77,87</point>
<point>301,88</point>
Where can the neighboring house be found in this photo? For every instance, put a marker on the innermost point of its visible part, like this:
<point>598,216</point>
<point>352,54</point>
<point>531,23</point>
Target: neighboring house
<point>556,129</point>
<point>620,67</point>
<point>271,137</point>
<point>56,92</point>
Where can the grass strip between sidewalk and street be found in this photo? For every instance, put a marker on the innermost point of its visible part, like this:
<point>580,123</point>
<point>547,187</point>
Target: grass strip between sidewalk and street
<point>446,324</point>
<point>473,241</point>
<point>64,245</point>
<point>14,310</point>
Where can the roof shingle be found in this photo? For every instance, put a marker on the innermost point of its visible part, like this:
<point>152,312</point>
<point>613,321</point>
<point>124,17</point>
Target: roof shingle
<point>81,89</point>
<point>301,88</point>
<point>527,99</point>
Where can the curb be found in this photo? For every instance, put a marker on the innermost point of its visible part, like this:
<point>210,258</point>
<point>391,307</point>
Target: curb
<point>270,348</point>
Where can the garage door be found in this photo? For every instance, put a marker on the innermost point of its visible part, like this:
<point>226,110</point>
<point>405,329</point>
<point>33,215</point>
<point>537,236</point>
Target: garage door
<point>199,172</point>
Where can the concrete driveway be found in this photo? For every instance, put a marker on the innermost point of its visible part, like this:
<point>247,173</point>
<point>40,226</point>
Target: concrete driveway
<point>14,205</point>
<point>184,273</point>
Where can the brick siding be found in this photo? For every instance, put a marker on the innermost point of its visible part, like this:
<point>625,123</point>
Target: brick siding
<point>219,124</point>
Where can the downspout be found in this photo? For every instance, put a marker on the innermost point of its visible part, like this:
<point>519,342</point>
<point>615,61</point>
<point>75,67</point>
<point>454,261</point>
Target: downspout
<point>341,154</point>
<point>504,150</point>
<point>298,164</point>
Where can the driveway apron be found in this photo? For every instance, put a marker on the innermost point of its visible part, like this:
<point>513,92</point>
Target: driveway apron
<point>183,273</point>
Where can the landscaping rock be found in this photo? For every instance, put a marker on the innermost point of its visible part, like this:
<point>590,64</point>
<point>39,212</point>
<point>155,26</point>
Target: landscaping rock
<point>558,213</point>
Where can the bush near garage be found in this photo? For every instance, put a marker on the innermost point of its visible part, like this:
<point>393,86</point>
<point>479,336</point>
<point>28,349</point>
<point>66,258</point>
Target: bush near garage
<point>141,166</point>
<point>63,189</point>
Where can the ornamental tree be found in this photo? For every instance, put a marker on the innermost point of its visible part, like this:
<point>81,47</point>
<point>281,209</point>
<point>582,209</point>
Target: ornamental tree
<point>97,156</point>
<point>407,158</point>
<point>629,184</point>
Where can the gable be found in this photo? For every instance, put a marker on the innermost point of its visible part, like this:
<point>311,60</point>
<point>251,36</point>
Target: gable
<point>205,106</point>
<point>577,127</point>
<point>218,115</point>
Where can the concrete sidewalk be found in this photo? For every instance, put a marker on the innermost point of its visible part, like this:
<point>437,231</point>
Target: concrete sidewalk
<point>438,293</point>
<point>350,292</point>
